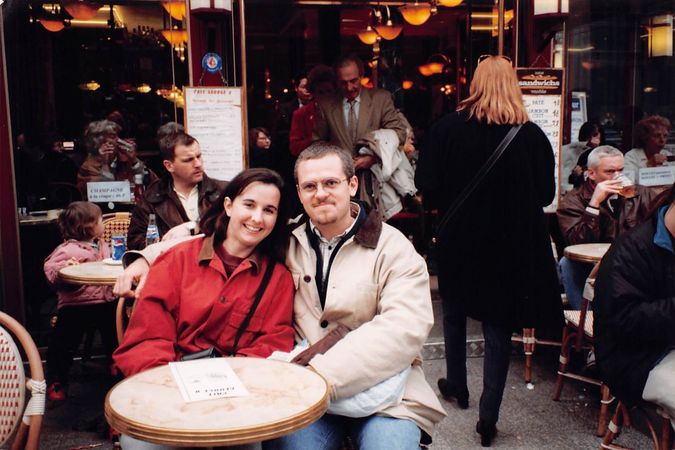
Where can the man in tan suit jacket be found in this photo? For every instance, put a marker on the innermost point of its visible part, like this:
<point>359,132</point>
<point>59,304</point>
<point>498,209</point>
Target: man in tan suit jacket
<point>368,110</point>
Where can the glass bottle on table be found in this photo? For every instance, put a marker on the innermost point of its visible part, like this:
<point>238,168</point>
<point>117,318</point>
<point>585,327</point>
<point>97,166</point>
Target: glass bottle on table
<point>152,232</point>
<point>139,189</point>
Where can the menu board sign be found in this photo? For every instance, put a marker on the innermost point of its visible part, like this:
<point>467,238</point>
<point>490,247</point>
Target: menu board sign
<point>213,115</point>
<point>542,94</point>
<point>108,191</point>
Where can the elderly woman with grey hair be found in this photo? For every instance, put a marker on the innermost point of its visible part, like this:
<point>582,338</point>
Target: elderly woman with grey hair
<point>108,157</point>
<point>651,136</point>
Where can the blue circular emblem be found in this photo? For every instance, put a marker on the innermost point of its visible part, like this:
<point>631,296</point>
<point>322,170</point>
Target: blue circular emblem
<point>212,62</point>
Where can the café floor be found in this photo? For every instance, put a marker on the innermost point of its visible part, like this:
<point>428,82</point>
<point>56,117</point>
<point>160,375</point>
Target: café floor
<point>529,419</point>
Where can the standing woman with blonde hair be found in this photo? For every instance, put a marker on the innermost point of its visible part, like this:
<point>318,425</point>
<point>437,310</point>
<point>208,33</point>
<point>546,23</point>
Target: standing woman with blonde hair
<point>494,254</point>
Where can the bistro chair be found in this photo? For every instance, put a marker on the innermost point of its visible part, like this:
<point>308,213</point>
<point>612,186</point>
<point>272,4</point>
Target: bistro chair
<point>13,386</point>
<point>529,339</point>
<point>660,438</point>
<point>115,224</point>
<point>578,335</point>
<point>125,306</point>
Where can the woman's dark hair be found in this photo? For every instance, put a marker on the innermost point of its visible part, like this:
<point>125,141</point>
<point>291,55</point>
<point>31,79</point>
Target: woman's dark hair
<point>253,135</point>
<point>77,221</point>
<point>215,221</point>
<point>587,130</point>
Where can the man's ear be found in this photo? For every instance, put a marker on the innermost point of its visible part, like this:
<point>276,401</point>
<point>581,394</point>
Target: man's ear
<point>168,165</point>
<point>591,173</point>
<point>353,184</point>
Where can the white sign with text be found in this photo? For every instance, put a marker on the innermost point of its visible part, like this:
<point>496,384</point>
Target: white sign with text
<point>108,191</point>
<point>213,115</point>
<point>657,176</point>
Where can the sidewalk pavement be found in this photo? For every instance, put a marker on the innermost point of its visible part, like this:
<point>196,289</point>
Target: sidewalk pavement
<point>529,419</point>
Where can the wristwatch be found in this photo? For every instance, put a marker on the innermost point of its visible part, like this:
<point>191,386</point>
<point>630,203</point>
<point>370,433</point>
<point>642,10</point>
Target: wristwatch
<point>191,226</point>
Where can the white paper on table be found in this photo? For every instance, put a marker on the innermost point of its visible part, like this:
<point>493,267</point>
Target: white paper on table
<point>278,355</point>
<point>206,379</point>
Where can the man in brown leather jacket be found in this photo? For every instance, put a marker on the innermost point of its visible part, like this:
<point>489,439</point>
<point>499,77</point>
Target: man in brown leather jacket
<point>180,197</point>
<point>596,212</point>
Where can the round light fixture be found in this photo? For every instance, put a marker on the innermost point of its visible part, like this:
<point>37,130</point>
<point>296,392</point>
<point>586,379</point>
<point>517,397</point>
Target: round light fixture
<point>416,14</point>
<point>176,9</point>
<point>450,3</point>
<point>52,25</point>
<point>389,31</point>
<point>367,36</point>
<point>80,9</point>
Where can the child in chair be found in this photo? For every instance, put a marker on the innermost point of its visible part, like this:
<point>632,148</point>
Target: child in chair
<point>79,307</point>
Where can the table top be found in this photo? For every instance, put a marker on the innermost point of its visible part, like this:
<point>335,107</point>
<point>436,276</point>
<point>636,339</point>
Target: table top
<point>96,273</point>
<point>590,253</point>
<point>40,219</point>
<point>283,398</point>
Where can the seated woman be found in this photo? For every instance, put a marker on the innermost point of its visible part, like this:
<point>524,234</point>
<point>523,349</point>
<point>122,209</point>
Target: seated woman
<point>198,293</point>
<point>651,136</point>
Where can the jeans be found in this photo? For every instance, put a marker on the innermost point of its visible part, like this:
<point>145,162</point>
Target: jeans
<point>495,363</point>
<point>573,275</point>
<point>129,443</point>
<point>367,433</point>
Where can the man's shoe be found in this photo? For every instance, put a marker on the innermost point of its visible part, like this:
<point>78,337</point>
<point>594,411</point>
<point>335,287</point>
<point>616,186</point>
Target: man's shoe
<point>449,392</point>
<point>56,393</point>
<point>487,432</point>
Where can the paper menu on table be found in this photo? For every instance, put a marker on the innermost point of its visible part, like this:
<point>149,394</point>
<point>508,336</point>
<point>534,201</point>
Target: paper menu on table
<point>206,379</point>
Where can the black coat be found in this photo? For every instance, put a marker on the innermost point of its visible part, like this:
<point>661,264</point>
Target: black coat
<point>634,311</point>
<point>495,256</point>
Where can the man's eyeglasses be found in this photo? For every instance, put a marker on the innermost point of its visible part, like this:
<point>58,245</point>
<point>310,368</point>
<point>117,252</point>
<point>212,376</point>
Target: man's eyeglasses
<point>327,184</point>
<point>482,58</point>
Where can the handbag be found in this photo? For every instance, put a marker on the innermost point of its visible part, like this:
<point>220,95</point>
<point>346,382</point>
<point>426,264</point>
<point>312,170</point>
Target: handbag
<point>475,181</point>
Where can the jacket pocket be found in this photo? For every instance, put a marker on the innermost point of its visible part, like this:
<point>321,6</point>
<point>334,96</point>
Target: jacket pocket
<point>351,304</point>
<point>234,323</point>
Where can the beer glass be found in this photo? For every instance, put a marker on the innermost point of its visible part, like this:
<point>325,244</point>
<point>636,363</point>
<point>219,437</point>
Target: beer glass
<point>628,189</point>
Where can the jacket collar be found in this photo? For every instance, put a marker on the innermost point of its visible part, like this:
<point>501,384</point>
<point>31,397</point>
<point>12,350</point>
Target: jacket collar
<point>207,252</point>
<point>367,235</point>
<point>164,188</point>
<point>662,237</point>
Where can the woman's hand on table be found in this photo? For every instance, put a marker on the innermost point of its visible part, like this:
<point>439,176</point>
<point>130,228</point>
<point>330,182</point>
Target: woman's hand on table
<point>135,273</point>
<point>72,262</point>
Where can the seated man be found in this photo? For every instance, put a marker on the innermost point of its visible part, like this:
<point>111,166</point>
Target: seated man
<point>595,212</point>
<point>363,304</point>
<point>181,196</point>
<point>635,312</point>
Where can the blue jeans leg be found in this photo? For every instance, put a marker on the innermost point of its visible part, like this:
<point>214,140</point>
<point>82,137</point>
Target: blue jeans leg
<point>574,274</point>
<point>495,370</point>
<point>327,433</point>
<point>386,433</point>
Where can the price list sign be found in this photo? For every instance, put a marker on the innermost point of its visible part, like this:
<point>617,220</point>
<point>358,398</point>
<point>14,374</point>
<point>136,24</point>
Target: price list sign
<point>543,96</point>
<point>213,116</point>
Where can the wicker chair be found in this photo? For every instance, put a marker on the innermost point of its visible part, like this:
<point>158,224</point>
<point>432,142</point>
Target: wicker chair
<point>660,438</point>
<point>115,224</point>
<point>578,335</point>
<point>125,306</point>
<point>12,387</point>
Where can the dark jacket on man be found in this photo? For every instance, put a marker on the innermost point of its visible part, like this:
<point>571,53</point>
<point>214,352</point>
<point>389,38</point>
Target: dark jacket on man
<point>161,200</point>
<point>579,226</point>
<point>634,310</point>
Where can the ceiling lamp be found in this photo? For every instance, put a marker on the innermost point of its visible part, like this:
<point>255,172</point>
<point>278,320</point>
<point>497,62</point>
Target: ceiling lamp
<point>660,36</point>
<point>388,31</point>
<point>89,86</point>
<point>52,25</point>
<point>176,9</point>
<point>407,84</point>
<point>435,65</point>
<point>143,88</point>
<point>450,3</point>
<point>424,70</point>
<point>80,9</point>
<point>175,36</point>
<point>416,14</point>
<point>367,36</point>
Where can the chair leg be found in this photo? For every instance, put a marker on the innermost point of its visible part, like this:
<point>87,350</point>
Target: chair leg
<point>665,433</point>
<point>605,401</point>
<point>528,349</point>
<point>567,339</point>
<point>614,427</point>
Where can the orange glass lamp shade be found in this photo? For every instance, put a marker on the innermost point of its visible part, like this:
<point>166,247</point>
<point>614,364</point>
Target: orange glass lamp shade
<point>425,70</point>
<point>89,86</point>
<point>416,14</point>
<point>175,37</point>
<point>52,25</point>
<point>367,36</point>
<point>450,3</point>
<point>407,84</point>
<point>389,31</point>
<point>80,9</point>
<point>176,9</point>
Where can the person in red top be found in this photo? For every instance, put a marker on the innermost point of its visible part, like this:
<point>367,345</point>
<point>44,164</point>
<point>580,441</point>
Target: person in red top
<point>198,294</point>
<point>321,83</point>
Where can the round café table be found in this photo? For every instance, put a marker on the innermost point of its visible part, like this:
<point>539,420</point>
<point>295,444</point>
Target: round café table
<point>588,253</point>
<point>95,273</point>
<point>283,398</point>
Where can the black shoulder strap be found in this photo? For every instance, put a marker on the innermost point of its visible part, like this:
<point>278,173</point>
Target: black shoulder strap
<point>469,188</point>
<point>258,296</point>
